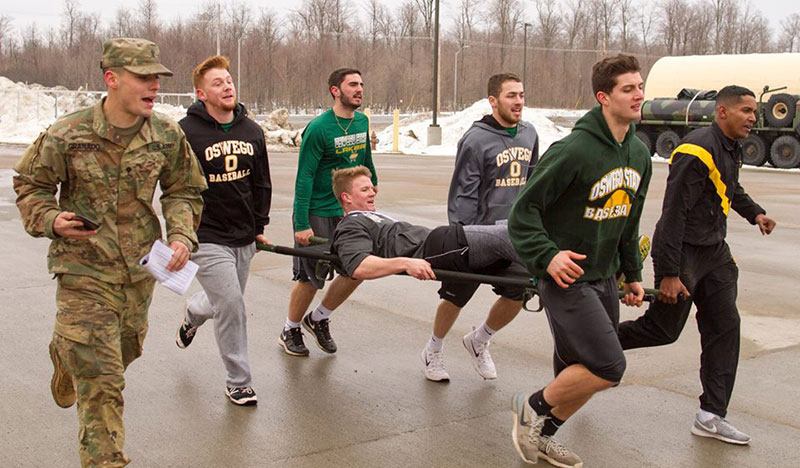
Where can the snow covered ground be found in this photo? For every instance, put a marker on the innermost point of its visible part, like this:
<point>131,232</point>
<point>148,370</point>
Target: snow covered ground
<point>413,130</point>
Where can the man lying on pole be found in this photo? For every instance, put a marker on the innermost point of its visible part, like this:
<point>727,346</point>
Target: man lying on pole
<point>372,245</point>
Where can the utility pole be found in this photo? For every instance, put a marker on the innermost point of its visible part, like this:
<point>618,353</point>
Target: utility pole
<point>455,78</point>
<point>435,131</point>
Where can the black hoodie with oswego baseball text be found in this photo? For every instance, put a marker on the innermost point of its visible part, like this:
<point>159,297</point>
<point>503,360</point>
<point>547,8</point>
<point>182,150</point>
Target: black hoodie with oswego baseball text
<point>586,195</point>
<point>236,167</point>
<point>491,168</point>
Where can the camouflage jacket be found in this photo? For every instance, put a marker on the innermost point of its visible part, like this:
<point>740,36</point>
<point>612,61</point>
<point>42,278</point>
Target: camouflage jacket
<point>112,185</point>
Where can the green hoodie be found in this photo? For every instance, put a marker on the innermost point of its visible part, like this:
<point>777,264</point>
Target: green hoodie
<point>585,195</point>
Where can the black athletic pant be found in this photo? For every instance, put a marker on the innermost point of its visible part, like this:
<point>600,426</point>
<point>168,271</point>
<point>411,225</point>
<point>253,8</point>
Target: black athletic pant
<point>710,275</point>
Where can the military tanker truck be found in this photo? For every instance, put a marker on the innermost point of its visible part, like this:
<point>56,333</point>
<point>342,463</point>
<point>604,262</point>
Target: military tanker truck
<point>775,137</point>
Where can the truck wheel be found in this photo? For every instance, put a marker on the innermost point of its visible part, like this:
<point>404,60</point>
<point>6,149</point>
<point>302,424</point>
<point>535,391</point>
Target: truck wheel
<point>666,143</point>
<point>646,139</point>
<point>754,150</point>
<point>780,110</point>
<point>785,152</point>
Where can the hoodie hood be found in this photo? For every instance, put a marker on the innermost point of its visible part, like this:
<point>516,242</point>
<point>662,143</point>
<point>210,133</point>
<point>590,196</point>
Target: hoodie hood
<point>199,109</point>
<point>489,123</point>
<point>593,122</point>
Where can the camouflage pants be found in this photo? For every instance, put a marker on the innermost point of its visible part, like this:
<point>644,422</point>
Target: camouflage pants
<point>99,330</point>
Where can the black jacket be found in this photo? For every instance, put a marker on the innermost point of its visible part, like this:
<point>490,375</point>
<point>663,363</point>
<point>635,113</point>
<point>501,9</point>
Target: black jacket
<point>236,167</point>
<point>702,186</point>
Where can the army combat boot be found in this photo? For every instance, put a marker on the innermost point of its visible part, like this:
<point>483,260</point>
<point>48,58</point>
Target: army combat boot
<point>61,384</point>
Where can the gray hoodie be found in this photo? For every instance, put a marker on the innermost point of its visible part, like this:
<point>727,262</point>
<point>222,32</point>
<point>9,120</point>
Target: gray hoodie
<point>491,169</point>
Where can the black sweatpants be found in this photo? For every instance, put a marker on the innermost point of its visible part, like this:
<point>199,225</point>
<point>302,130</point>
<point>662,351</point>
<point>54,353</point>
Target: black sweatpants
<point>710,275</point>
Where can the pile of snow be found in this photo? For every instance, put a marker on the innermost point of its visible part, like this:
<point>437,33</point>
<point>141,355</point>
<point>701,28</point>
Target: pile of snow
<point>413,130</point>
<point>26,110</point>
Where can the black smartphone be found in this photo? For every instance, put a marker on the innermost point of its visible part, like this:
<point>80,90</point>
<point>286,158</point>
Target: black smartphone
<point>88,224</point>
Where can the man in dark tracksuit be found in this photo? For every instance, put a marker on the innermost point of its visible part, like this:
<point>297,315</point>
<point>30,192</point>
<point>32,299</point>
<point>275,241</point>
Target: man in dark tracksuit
<point>494,159</point>
<point>691,257</point>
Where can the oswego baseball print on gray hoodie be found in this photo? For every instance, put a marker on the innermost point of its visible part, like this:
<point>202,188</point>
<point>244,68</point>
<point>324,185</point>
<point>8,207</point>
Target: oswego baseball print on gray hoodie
<point>490,170</point>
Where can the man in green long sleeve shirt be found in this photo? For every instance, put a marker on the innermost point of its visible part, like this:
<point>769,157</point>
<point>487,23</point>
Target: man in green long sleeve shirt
<point>574,224</point>
<point>336,139</point>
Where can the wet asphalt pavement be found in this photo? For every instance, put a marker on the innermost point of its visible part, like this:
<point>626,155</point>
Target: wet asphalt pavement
<point>369,404</point>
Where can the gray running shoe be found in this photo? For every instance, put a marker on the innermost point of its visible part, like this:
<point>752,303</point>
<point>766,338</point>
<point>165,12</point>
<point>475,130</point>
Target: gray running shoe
<point>721,429</point>
<point>527,429</point>
<point>556,454</point>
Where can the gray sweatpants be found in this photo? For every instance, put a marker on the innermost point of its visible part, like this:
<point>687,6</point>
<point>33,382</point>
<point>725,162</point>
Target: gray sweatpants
<point>223,275</point>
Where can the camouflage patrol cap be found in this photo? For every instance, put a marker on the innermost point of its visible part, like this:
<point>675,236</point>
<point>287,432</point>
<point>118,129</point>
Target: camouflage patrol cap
<point>138,56</point>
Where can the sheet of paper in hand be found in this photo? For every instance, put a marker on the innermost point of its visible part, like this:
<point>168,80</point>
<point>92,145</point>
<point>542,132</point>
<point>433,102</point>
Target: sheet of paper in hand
<point>156,262</point>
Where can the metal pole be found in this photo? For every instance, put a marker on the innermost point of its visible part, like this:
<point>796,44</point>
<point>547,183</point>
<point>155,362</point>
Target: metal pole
<point>434,130</point>
<point>455,81</point>
<point>436,65</point>
<point>455,78</point>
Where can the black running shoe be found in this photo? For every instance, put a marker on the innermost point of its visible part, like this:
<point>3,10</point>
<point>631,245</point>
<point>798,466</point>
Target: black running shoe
<point>243,396</point>
<point>292,342</point>
<point>185,334</point>
<point>321,333</point>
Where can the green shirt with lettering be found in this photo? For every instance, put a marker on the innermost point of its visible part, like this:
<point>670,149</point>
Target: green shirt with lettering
<point>329,142</point>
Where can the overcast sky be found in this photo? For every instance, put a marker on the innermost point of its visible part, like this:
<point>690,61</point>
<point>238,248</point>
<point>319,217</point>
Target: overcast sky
<point>47,13</point>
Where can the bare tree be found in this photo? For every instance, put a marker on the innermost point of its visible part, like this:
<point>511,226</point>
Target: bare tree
<point>730,27</point>
<point>548,22</point>
<point>426,10</point>
<point>148,18</point>
<point>626,16</point>
<point>5,30</point>
<point>760,35</point>
<point>122,25</point>
<point>646,19</point>
<point>721,11</point>
<point>70,19</point>
<point>267,35</point>
<point>606,11</point>
<point>409,26</point>
<point>790,33</point>
<point>285,59</point>
<point>574,21</point>
<point>506,16</point>
<point>672,23</point>
<point>376,14</point>
<point>315,18</point>
<point>465,22</point>
<point>238,23</point>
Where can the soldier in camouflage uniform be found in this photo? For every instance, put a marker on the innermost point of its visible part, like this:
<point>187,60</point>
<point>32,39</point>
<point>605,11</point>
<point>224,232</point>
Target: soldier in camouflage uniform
<point>107,160</point>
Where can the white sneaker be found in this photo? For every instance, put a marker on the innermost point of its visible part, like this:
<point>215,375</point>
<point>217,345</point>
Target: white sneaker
<point>481,358</point>
<point>434,366</point>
